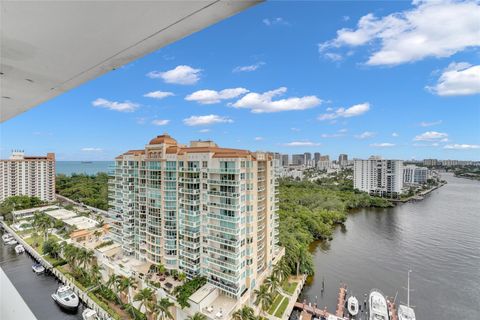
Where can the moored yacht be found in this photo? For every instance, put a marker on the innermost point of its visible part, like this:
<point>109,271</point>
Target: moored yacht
<point>352,306</point>
<point>38,268</point>
<point>377,306</point>
<point>66,298</point>
<point>12,241</point>
<point>7,237</point>
<point>19,249</point>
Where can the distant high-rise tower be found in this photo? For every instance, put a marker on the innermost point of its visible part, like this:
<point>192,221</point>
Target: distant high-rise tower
<point>378,177</point>
<point>285,161</point>
<point>28,176</point>
<point>316,157</point>
<point>343,159</point>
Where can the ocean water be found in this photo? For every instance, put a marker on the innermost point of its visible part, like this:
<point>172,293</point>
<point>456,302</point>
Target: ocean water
<point>90,168</point>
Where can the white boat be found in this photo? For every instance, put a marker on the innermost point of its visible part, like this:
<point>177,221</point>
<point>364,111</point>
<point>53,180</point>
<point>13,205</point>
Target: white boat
<point>19,249</point>
<point>405,312</point>
<point>352,305</point>
<point>89,314</point>
<point>66,298</point>
<point>6,237</point>
<point>12,242</point>
<point>38,268</point>
<point>377,306</point>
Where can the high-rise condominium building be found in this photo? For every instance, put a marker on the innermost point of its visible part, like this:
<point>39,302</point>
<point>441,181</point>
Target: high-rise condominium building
<point>415,175</point>
<point>202,209</point>
<point>342,159</point>
<point>285,161</point>
<point>378,176</point>
<point>28,175</point>
<point>298,159</point>
<point>316,157</point>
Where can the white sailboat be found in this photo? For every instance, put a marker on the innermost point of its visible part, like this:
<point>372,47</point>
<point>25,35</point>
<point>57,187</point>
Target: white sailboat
<point>405,312</point>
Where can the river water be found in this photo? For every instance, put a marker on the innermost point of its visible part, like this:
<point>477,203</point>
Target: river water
<point>437,238</point>
<point>35,289</point>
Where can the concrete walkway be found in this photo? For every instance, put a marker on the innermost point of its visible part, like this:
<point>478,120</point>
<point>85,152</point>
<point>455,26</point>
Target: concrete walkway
<point>12,305</point>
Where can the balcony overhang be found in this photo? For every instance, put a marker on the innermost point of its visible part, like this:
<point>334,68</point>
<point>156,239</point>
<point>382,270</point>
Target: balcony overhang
<point>47,48</point>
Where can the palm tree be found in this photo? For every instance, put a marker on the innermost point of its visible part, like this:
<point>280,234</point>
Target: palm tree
<point>161,309</point>
<point>86,257</point>
<point>246,313</point>
<point>161,268</point>
<point>145,296</point>
<point>197,316</point>
<point>264,297</point>
<point>95,274</point>
<point>272,283</point>
<point>112,282</point>
<point>124,284</point>
<point>182,276</point>
<point>281,270</point>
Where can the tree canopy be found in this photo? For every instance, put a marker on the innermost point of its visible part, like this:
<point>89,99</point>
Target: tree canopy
<point>88,189</point>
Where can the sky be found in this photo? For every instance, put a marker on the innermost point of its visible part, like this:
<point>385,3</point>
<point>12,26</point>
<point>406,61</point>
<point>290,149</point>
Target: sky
<point>393,78</point>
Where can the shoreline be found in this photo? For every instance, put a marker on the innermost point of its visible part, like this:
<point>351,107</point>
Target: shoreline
<point>419,196</point>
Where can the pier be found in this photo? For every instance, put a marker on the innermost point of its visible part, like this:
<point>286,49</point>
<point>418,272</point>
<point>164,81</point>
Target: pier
<point>308,310</point>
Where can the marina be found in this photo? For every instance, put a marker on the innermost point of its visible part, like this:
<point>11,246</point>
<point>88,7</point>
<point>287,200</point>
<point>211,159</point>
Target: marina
<point>36,281</point>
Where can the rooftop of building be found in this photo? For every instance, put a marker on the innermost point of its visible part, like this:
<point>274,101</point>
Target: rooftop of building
<point>197,146</point>
<point>19,155</point>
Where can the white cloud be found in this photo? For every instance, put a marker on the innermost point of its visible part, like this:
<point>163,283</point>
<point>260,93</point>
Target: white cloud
<point>180,75</point>
<point>295,129</point>
<point>262,102</point>
<point>333,56</point>
<point>430,124</point>
<point>248,68</point>
<point>343,130</point>
<point>301,144</point>
<point>345,18</point>
<point>462,146</point>
<point>212,96</point>
<point>458,79</point>
<point>382,145</point>
<point>431,29</point>
<point>275,21</point>
<point>125,106</point>
<point>366,135</point>
<point>90,149</point>
<point>204,130</point>
<point>395,135</point>
<point>353,111</point>
<point>258,138</point>
<point>432,136</point>
<point>158,94</point>
<point>160,122</point>
<point>206,120</point>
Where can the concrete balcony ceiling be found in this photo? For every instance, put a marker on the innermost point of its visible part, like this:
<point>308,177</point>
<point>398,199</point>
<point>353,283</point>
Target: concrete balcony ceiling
<point>47,48</point>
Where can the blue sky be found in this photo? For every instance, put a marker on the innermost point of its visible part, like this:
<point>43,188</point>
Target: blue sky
<point>398,79</point>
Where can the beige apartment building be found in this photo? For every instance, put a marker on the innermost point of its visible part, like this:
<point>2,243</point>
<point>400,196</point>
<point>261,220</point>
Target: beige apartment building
<point>202,209</point>
<point>28,175</point>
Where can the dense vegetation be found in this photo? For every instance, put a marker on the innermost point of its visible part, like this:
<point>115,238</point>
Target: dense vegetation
<point>310,210</point>
<point>90,190</point>
<point>183,292</point>
<point>469,172</point>
<point>17,203</point>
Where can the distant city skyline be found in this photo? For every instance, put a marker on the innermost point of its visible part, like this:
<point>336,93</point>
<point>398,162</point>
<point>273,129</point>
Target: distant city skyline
<point>328,77</point>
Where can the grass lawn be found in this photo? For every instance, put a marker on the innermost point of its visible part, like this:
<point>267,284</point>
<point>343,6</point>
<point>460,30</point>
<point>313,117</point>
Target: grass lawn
<point>276,301</point>
<point>39,241</point>
<point>289,287</point>
<point>282,308</point>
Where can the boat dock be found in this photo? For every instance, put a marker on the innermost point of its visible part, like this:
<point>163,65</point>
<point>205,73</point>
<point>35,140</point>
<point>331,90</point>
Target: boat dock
<point>49,269</point>
<point>308,310</point>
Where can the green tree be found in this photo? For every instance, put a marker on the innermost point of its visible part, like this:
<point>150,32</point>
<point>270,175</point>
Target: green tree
<point>145,296</point>
<point>245,313</point>
<point>125,284</point>
<point>272,283</point>
<point>263,297</point>
<point>197,316</point>
<point>162,309</point>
